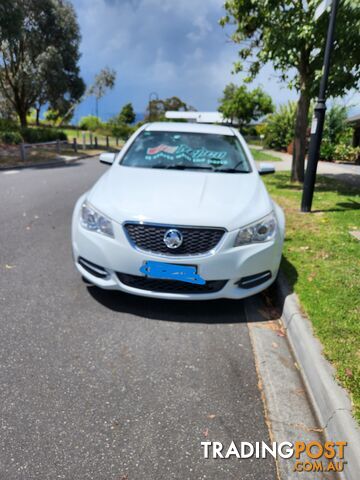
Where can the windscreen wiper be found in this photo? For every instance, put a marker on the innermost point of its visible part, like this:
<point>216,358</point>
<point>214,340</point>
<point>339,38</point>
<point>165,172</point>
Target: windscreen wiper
<point>182,167</point>
<point>230,170</point>
<point>233,169</point>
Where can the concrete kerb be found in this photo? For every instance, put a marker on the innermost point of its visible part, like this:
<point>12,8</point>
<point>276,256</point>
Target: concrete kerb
<point>330,401</point>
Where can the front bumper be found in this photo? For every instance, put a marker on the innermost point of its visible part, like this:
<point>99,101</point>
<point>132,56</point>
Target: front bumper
<point>116,255</point>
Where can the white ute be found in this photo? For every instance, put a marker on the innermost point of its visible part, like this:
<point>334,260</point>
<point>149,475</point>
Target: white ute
<point>182,213</point>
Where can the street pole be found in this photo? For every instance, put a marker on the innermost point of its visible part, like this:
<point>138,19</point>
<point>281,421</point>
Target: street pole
<point>317,125</point>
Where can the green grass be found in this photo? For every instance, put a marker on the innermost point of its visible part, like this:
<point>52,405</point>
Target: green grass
<point>260,156</point>
<point>322,262</point>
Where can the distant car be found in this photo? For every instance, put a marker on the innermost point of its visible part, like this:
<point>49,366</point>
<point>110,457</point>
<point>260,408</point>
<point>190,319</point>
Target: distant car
<point>182,213</point>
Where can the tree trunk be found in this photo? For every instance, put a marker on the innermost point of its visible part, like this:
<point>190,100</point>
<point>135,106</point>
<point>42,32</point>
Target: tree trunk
<point>38,116</point>
<point>299,148</point>
<point>22,117</point>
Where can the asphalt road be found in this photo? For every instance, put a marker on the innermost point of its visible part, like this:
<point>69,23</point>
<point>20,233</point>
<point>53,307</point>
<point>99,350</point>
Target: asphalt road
<point>105,386</point>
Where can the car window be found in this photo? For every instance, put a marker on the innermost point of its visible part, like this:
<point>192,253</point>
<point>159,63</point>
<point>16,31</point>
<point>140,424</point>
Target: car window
<point>187,151</point>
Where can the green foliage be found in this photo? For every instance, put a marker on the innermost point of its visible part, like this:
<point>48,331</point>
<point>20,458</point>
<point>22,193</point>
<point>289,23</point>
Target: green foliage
<point>336,126</point>
<point>8,124</point>
<point>52,116</point>
<point>245,105</point>
<point>157,108</point>
<point>104,80</point>
<point>127,114</point>
<point>336,131</point>
<point>39,135</point>
<point>279,131</point>
<point>287,35</point>
<point>327,150</point>
<point>346,153</point>
<point>121,130</point>
<point>39,53</point>
<point>90,122</point>
<point>10,138</point>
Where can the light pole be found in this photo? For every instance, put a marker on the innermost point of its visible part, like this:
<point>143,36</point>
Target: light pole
<point>155,97</point>
<point>317,125</point>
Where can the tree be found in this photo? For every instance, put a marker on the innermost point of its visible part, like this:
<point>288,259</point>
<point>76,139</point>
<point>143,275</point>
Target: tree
<point>90,122</point>
<point>244,105</point>
<point>285,33</point>
<point>157,108</point>
<point>127,114</point>
<point>104,80</point>
<point>39,53</point>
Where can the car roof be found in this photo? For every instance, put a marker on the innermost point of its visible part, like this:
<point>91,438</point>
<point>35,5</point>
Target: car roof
<point>189,127</point>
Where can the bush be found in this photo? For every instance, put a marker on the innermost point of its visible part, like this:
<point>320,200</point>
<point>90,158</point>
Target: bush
<point>8,125</point>
<point>336,128</point>
<point>345,153</point>
<point>90,122</point>
<point>337,135</point>
<point>39,135</point>
<point>279,131</point>
<point>327,150</point>
<point>10,138</point>
<point>121,130</point>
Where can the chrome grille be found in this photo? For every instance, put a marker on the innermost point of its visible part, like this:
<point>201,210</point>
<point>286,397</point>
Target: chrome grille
<point>150,238</point>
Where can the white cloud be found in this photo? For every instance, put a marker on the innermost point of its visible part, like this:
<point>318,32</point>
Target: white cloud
<point>174,48</point>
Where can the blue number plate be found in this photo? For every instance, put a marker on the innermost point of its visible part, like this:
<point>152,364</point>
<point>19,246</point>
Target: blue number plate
<point>169,271</point>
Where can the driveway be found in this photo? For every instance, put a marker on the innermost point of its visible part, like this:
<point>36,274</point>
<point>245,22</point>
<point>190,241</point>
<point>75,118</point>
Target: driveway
<point>105,386</point>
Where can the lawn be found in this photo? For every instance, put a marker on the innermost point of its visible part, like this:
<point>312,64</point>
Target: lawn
<point>322,262</point>
<point>260,156</point>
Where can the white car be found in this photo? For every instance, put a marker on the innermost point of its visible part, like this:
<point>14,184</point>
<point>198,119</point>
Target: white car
<point>182,213</point>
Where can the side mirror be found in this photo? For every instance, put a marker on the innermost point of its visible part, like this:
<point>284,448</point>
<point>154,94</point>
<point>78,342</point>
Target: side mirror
<point>266,168</point>
<point>107,158</point>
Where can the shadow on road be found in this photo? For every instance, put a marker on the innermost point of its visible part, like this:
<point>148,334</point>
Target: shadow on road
<point>209,311</point>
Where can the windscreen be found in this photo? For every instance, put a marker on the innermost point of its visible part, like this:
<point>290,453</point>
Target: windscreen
<point>178,150</point>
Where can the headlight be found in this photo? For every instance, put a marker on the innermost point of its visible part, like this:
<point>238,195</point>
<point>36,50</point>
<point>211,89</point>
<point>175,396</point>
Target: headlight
<point>261,231</point>
<point>95,221</point>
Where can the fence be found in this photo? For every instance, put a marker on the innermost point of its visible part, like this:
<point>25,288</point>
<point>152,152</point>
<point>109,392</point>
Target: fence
<point>94,144</point>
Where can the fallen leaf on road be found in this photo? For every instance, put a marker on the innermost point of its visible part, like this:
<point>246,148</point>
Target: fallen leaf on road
<point>206,432</point>
<point>211,416</point>
<point>9,267</point>
<point>274,345</point>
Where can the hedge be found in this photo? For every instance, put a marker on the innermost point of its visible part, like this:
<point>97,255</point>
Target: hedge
<point>10,138</point>
<point>39,135</point>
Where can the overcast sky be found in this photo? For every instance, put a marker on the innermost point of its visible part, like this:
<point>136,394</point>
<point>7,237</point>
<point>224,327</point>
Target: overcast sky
<point>172,47</point>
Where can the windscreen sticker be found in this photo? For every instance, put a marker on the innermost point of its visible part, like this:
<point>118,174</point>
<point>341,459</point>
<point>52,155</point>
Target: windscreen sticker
<point>183,152</point>
<point>161,148</point>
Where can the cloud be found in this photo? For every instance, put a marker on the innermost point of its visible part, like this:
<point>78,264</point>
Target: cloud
<point>173,48</point>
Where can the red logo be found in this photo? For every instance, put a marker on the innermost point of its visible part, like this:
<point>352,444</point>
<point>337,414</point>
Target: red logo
<point>161,148</point>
